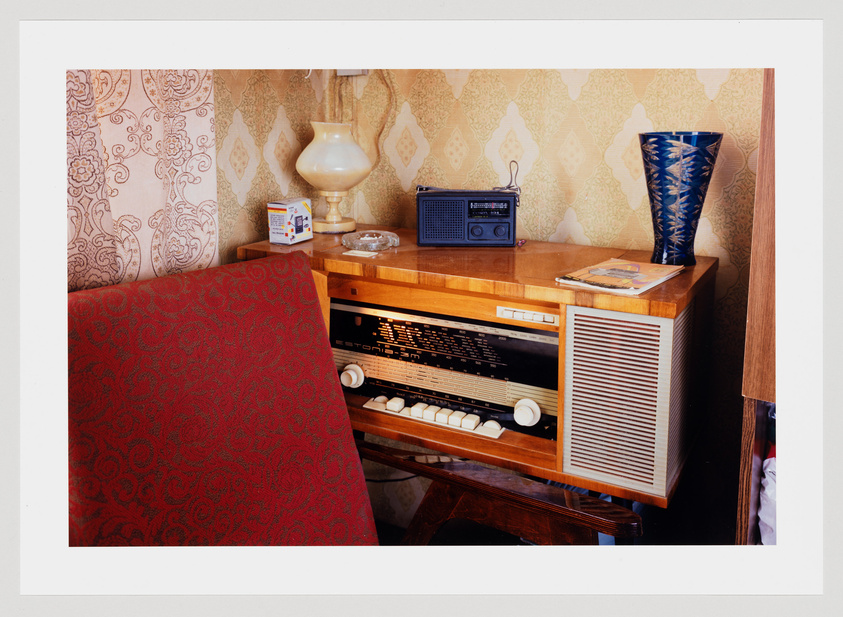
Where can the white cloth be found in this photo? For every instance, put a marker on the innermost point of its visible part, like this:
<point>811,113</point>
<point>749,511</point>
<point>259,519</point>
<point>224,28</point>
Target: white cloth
<point>767,507</point>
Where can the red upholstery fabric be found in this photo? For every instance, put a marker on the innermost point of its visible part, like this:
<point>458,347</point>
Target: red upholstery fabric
<point>205,409</point>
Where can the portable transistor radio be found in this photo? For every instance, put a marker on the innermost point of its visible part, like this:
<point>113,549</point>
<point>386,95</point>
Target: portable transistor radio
<point>468,218</point>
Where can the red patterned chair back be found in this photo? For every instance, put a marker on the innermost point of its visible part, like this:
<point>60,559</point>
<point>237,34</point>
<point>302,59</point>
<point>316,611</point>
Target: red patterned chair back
<point>205,409</point>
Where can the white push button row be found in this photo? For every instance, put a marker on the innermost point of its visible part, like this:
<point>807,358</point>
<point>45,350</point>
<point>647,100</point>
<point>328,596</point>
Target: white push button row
<point>524,315</point>
<point>433,414</point>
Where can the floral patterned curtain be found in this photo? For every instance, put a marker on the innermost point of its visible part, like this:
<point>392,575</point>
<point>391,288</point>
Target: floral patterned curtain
<point>141,172</point>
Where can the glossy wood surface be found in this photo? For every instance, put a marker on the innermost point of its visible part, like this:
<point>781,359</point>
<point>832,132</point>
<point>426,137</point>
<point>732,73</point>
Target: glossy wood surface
<point>526,273</point>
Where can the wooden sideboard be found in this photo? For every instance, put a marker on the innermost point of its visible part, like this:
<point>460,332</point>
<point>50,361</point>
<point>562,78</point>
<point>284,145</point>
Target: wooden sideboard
<point>471,283</point>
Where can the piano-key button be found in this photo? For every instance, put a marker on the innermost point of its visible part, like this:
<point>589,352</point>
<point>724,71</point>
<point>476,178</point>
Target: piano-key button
<point>456,418</point>
<point>490,428</point>
<point>429,412</point>
<point>470,421</point>
<point>395,404</point>
<point>375,404</point>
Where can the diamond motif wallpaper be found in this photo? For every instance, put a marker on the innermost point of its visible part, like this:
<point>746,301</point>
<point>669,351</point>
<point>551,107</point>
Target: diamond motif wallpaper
<point>573,133</point>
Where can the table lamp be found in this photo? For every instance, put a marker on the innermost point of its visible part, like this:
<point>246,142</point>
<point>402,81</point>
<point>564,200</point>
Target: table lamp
<point>333,163</point>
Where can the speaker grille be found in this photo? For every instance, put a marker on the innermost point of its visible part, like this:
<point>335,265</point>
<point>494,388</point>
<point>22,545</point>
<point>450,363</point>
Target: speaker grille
<point>444,219</point>
<point>679,440</point>
<point>621,396</point>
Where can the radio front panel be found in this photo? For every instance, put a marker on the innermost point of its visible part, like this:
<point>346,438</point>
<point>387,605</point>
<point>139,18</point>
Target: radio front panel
<point>609,393</point>
<point>495,372</point>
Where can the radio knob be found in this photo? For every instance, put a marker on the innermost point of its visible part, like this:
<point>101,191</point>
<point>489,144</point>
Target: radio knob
<point>500,231</point>
<point>527,412</point>
<point>352,376</point>
<point>476,230</point>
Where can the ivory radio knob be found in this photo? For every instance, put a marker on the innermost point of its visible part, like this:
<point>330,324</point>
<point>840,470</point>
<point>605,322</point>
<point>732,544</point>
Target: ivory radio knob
<point>352,376</point>
<point>527,412</point>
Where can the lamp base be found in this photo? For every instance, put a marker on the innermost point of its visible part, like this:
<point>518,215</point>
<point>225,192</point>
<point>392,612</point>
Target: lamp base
<point>344,225</point>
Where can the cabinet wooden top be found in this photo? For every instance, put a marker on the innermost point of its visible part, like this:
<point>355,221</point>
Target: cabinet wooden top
<point>527,272</point>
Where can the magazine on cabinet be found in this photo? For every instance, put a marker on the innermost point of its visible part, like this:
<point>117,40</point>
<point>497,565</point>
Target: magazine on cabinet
<point>621,276</point>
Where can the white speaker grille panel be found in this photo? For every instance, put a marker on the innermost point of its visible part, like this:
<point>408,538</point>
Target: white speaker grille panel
<point>621,391</point>
<point>679,439</point>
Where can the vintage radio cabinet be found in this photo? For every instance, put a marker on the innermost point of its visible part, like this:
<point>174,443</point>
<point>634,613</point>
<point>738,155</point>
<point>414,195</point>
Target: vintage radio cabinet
<point>479,352</point>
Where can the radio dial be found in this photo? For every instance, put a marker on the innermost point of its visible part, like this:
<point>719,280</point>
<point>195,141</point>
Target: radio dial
<point>352,376</point>
<point>500,231</point>
<point>476,230</point>
<point>527,412</point>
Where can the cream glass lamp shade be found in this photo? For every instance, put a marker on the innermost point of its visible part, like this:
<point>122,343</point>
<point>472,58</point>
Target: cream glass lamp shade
<point>333,163</point>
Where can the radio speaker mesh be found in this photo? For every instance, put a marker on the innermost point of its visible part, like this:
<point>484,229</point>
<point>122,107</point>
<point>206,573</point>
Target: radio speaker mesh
<point>444,219</point>
<point>626,397</point>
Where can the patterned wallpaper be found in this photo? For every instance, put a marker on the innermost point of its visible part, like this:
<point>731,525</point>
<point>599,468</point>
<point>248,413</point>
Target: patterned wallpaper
<point>141,175</point>
<point>262,125</point>
<point>572,132</point>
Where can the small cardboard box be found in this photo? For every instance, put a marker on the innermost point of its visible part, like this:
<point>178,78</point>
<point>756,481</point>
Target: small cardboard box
<point>290,221</point>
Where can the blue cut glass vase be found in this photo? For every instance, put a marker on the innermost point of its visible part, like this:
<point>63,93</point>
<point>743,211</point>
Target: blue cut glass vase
<point>678,167</point>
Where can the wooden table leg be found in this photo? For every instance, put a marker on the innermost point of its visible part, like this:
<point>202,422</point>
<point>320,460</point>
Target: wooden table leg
<point>436,508</point>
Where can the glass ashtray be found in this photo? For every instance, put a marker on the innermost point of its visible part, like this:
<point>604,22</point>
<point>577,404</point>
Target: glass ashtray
<point>370,240</point>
